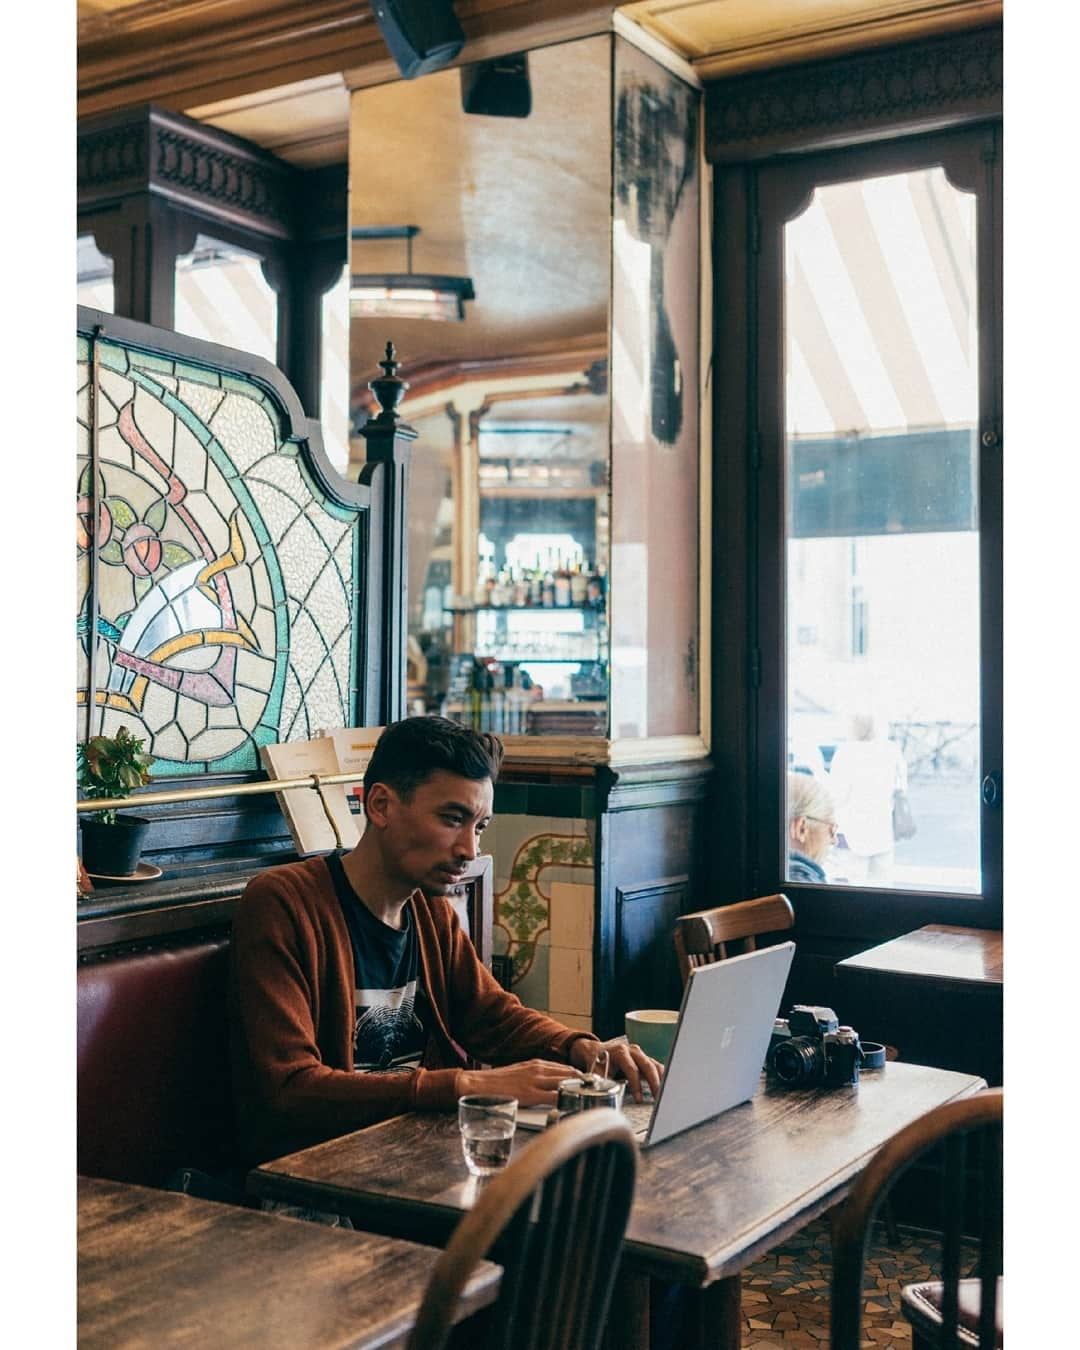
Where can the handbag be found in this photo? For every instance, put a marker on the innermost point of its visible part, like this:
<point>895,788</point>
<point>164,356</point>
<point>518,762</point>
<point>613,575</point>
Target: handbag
<point>903,822</point>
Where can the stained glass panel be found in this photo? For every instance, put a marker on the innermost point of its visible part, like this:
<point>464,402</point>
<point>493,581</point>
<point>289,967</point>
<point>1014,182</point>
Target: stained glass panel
<point>227,578</point>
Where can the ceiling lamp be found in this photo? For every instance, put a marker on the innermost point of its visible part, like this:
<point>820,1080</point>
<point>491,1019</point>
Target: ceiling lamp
<point>408,294</point>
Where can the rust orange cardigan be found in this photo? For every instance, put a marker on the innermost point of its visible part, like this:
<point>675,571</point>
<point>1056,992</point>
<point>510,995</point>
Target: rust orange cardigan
<point>292,1009</point>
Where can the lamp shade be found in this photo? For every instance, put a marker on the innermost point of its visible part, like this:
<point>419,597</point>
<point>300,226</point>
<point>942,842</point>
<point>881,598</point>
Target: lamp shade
<point>409,295</point>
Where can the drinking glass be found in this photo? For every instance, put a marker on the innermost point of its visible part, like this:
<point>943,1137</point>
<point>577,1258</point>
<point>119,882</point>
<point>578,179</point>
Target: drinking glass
<point>487,1132</point>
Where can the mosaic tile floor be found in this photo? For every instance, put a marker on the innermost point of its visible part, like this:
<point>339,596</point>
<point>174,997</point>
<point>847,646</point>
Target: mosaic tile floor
<point>785,1295</point>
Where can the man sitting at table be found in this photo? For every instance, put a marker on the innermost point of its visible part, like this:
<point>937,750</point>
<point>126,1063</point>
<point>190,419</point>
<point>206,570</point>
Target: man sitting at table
<point>355,995</point>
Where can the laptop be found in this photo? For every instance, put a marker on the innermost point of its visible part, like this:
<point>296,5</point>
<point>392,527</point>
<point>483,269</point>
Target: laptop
<point>721,1039</point>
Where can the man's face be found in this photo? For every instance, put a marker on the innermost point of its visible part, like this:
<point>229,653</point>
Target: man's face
<point>429,840</point>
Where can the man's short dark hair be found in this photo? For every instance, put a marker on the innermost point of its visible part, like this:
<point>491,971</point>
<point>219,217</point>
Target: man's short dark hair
<point>409,752</point>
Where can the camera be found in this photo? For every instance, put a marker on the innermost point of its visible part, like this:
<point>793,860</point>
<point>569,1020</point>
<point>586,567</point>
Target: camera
<point>809,1048</point>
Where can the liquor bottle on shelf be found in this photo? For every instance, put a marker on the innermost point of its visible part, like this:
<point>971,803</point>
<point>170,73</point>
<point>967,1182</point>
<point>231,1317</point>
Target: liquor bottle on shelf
<point>562,584</point>
<point>549,588</point>
<point>579,583</point>
<point>520,588</point>
<point>516,699</point>
<point>536,584</point>
<point>597,587</point>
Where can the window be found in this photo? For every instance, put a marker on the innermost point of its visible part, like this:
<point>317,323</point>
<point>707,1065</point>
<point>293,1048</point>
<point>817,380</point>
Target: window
<point>222,296</point>
<point>334,392</point>
<point>95,275</point>
<point>874,543</point>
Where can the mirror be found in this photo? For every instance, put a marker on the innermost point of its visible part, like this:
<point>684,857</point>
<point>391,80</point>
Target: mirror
<point>509,482</point>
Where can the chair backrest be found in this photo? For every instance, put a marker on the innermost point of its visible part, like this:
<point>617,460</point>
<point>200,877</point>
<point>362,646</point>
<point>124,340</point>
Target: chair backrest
<point>555,1218</point>
<point>710,935</point>
<point>955,1126</point>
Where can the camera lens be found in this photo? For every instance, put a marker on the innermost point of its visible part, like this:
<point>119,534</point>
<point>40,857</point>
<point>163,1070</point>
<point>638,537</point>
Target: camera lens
<point>797,1060</point>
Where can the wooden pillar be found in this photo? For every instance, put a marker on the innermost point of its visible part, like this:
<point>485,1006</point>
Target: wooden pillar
<point>143,237</point>
<point>385,471</point>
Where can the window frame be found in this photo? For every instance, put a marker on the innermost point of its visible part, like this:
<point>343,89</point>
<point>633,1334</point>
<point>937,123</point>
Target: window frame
<point>753,201</point>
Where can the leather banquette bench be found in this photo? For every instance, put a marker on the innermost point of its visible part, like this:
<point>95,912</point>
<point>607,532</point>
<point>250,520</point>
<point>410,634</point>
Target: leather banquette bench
<point>153,1084</point>
<point>153,1092</point>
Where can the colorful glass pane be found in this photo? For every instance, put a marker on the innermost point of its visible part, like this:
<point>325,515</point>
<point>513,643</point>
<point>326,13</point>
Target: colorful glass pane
<point>226,578</point>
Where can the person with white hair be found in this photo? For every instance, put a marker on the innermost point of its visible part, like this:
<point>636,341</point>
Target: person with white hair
<point>865,774</point>
<point>811,827</point>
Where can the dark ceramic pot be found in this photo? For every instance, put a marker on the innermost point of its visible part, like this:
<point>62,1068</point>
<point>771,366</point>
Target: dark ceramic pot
<point>113,850</point>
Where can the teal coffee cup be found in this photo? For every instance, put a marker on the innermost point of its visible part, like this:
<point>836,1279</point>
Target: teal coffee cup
<point>653,1029</point>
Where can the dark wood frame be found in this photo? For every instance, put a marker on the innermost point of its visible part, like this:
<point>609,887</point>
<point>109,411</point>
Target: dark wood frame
<point>970,157</point>
<point>150,180</point>
<point>650,847</point>
<point>772,137</point>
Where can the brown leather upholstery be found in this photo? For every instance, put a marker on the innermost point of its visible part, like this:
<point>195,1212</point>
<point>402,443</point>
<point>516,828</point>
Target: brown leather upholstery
<point>153,1063</point>
<point>922,1305</point>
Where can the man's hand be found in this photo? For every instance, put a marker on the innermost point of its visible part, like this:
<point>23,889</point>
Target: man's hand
<point>624,1061</point>
<point>534,1082</point>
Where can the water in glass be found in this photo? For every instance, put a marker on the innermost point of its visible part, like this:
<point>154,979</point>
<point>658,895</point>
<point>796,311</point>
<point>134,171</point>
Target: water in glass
<point>487,1132</point>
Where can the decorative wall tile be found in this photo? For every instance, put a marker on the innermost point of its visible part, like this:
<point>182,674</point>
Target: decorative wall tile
<point>531,855</point>
<point>571,915</point>
<point>570,982</point>
<point>532,987</point>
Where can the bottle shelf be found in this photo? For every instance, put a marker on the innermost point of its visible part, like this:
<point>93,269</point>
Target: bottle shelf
<point>523,609</point>
<point>517,659</point>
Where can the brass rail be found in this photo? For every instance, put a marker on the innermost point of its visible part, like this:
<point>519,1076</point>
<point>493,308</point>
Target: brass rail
<point>315,781</point>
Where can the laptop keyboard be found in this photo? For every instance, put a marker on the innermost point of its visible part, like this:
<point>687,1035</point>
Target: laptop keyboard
<point>638,1114</point>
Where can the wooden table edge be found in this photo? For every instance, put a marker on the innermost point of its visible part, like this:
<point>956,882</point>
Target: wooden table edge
<point>391,1217</point>
<point>480,1291</point>
<point>662,1263</point>
<point>849,967</point>
<point>382,1215</point>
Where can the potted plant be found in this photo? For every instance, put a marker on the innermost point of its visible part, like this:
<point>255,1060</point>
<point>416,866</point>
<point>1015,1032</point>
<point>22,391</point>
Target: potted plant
<point>110,767</point>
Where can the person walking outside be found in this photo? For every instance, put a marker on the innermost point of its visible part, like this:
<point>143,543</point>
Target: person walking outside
<point>864,775</point>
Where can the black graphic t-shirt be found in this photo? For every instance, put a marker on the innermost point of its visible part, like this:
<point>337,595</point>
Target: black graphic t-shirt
<point>388,1031</point>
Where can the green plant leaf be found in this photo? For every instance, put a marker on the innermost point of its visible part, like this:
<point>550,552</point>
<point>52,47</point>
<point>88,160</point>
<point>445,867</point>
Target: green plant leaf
<point>112,766</point>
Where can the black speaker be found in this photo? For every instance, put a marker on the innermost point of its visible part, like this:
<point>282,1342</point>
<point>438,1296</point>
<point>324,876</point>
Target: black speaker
<point>499,88</point>
<point>423,35</point>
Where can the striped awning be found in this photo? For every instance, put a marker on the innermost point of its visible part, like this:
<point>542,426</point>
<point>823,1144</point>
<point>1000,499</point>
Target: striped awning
<point>881,308</point>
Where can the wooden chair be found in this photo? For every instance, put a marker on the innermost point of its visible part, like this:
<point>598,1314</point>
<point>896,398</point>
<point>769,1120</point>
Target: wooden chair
<point>706,935</point>
<point>955,1311</point>
<point>556,1218</point>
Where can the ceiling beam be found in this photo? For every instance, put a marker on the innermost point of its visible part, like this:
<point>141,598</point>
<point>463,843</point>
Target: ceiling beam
<point>184,53</point>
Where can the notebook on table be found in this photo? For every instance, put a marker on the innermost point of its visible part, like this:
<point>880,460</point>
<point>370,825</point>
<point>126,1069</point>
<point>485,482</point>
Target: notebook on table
<point>721,1039</point>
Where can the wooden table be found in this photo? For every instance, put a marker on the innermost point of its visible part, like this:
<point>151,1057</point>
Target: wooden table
<point>936,994</point>
<point>707,1202</point>
<point>941,952</point>
<point>157,1268</point>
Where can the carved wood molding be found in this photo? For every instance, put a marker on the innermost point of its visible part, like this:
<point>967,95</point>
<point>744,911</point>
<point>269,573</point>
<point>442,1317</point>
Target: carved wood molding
<point>919,86</point>
<point>168,155</point>
<point>183,53</point>
<point>852,28</point>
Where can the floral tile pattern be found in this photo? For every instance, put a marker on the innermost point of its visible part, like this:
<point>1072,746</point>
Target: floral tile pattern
<point>533,859</point>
